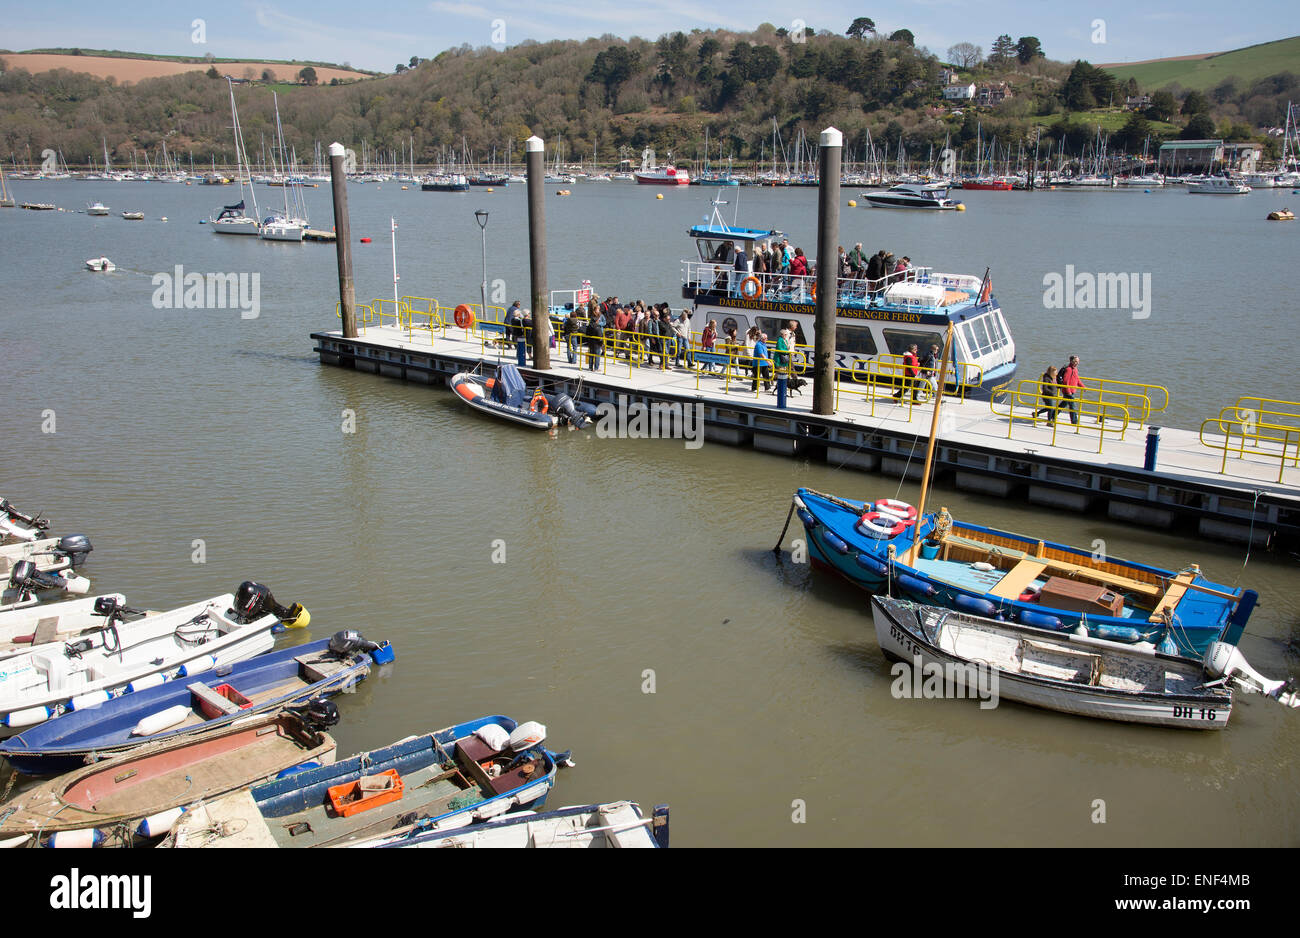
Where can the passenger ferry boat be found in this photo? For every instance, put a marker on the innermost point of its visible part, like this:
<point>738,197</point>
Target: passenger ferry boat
<point>873,318</point>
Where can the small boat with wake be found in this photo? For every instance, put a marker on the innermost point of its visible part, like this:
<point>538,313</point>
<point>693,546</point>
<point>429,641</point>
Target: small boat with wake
<point>505,395</point>
<point>100,265</point>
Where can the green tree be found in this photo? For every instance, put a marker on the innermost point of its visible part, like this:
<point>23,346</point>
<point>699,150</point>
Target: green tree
<point>1028,48</point>
<point>268,75</point>
<point>903,35</point>
<point>308,75</point>
<point>1134,132</point>
<point>1194,103</point>
<point>708,49</point>
<point>859,28</point>
<point>1162,106</point>
<point>212,72</point>
<point>1004,47</point>
<point>415,60</point>
<point>613,67</point>
<point>1200,127</point>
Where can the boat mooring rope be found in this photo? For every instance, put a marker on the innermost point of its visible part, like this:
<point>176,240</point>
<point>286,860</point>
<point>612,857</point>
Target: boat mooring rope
<point>777,549</point>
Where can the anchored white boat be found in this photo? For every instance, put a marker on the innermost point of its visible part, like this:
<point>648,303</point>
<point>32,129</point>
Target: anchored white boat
<point>22,629</point>
<point>1217,185</point>
<point>97,208</point>
<point>133,216</point>
<point>100,265</point>
<point>48,555</point>
<point>232,220</point>
<point>913,195</point>
<point>123,656</point>
<point>1062,671</point>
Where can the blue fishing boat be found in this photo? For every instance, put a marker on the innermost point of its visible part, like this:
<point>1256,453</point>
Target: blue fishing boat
<point>437,781</point>
<point>934,559</point>
<point>185,706</point>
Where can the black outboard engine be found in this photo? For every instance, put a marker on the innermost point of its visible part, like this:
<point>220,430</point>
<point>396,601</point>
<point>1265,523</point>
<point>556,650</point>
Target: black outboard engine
<point>253,600</point>
<point>75,546</point>
<point>348,642</point>
<point>26,578</point>
<point>562,405</point>
<point>318,713</point>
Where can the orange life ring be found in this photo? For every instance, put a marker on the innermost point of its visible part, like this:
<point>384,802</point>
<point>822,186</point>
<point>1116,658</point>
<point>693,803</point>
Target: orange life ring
<point>539,404</point>
<point>464,316</point>
<point>814,290</point>
<point>757,288</point>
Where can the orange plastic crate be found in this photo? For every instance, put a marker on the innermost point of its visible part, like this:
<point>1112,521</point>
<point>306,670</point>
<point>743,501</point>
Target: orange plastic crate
<point>349,799</point>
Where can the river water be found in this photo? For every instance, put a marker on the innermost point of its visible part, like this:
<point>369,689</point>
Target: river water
<point>640,565</point>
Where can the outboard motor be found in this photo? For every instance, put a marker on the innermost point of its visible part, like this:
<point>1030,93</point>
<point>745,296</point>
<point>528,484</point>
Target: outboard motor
<point>318,713</point>
<point>253,600</point>
<point>35,521</point>
<point>25,577</point>
<point>562,405</point>
<point>349,641</point>
<point>74,546</point>
<point>1226,662</point>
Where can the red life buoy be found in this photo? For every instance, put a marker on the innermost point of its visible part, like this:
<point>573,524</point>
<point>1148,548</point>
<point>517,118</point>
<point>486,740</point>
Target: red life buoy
<point>896,509</point>
<point>814,290</point>
<point>539,404</point>
<point>751,289</point>
<point>879,525</point>
<point>464,316</point>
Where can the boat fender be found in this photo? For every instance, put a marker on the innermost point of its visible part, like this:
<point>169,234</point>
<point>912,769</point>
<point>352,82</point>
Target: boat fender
<point>162,720</point>
<point>527,735</point>
<point>1168,646</point>
<point>806,517</point>
<point>893,507</point>
<point>873,564</point>
<point>1118,633</point>
<point>85,701</point>
<point>197,666</point>
<point>751,289</point>
<point>878,525</point>
<point>975,605</point>
<point>916,586</point>
<point>1040,621</point>
<point>494,736</point>
<point>29,717</point>
<point>76,585</point>
<point>835,542</point>
<point>149,680</point>
<point>464,316</point>
<point>982,566</point>
<point>89,837</point>
<point>155,825</point>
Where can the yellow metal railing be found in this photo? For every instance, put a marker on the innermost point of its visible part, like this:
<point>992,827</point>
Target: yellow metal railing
<point>1041,397</point>
<point>1271,432</point>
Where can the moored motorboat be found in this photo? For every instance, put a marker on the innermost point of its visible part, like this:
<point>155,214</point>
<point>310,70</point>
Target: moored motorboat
<point>53,678</point>
<point>1284,214</point>
<point>913,195</point>
<point>133,216</point>
<point>613,824</point>
<point>97,208</point>
<point>141,792</point>
<point>16,526</point>
<point>28,626</point>
<point>995,660</point>
<point>100,265</point>
<point>983,571</point>
<point>438,781</point>
<point>1217,185</point>
<point>196,703</point>
<point>28,585</point>
<point>505,396</point>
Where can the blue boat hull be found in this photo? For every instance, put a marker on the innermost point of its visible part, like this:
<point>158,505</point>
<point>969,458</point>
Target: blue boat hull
<point>64,744</point>
<point>836,543</point>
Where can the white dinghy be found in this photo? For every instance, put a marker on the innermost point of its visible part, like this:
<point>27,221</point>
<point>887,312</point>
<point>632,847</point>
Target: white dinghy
<point>16,526</point>
<point>24,628</point>
<point>124,656</point>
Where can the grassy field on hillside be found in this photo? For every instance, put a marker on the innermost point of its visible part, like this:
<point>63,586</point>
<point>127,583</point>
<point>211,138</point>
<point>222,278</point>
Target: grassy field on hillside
<point>1246,65</point>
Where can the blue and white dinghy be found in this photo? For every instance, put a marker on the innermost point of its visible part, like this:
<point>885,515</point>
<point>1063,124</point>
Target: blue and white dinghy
<point>60,676</point>
<point>438,781</point>
<point>197,703</point>
<point>506,396</point>
<point>617,824</point>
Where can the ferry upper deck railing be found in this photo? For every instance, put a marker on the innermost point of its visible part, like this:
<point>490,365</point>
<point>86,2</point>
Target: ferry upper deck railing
<point>1044,397</point>
<point>951,289</point>
<point>1271,433</point>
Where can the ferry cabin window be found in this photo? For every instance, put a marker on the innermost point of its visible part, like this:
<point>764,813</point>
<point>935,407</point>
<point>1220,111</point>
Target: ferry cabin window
<point>773,328</point>
<point>714,252</point>
<point>856,339</point>
<point>899,340</point>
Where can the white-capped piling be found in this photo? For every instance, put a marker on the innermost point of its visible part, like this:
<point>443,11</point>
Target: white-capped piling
<point>343,241</point>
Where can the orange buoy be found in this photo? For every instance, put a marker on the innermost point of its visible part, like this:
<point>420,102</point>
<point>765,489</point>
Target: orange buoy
<point>365,240</point>
<point>464,316</point>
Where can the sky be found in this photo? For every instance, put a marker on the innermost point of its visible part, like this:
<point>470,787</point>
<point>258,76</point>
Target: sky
<point>378,35</point>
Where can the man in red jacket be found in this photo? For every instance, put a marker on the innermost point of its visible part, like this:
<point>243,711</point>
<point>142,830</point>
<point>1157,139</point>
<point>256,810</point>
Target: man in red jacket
<point>1071,387</point>
<point>911,368</point>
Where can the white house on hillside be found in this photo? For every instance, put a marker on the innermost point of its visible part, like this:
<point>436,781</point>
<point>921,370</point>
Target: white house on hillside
<point>959,92</point>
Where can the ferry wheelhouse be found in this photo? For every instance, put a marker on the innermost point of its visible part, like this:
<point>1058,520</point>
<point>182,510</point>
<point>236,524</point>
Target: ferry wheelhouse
<point>873,318</point>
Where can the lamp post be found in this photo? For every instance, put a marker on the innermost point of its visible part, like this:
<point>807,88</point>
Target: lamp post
<point>482,218</point>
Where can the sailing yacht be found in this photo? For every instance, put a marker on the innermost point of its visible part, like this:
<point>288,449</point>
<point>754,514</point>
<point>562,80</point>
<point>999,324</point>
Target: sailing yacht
<point>286,225</point>
<point>231,219</point>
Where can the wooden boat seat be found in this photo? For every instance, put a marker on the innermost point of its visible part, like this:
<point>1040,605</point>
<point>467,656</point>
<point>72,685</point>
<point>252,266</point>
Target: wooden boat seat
<point>1172,596</point>
<point>1092,660</point>
<point>207,695</point>
<point>1018,578</point>
<point>47,630</point>
<point>319,666</point>
<point>1065,567</point>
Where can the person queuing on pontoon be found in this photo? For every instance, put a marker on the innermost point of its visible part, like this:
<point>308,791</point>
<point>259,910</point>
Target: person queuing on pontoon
<point>762,363</point>
<point>572,332</point>
<point>708,339</point>
<point>682,329</point>
<point>911,368</point>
